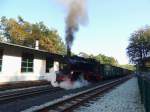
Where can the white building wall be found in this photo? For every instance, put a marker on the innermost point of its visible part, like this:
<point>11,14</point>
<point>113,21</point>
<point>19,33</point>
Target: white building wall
<point>11,67</point>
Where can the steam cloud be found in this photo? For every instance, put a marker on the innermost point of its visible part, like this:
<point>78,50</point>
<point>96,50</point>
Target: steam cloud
<point>68,84</point>
<point>77,15</point>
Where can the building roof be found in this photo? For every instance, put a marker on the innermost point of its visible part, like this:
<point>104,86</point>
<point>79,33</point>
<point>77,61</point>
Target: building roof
<point>33,50</point>
<point>20,46</point>
<point>46,53</point>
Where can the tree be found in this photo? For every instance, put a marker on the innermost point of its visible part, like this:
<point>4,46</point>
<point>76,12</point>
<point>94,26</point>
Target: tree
<point>53,43</point>
<point>101,58</point>
<point>128,66</point>
<point>106,60</point>
<point>139,45</point>
<point>25,33</point>
<point>4,34</point>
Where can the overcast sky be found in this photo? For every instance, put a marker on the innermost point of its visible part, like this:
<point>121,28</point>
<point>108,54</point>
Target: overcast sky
<point>110,22</point>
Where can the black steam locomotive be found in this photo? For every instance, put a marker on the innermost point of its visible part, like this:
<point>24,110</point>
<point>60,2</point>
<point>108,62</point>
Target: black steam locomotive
<point>75,66</point>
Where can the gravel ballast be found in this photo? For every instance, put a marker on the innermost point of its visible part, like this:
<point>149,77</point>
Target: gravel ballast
<point>124,98</point>
<point>37,100</point>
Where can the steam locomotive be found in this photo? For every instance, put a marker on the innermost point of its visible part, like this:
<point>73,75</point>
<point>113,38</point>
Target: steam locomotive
<point>91,70</point>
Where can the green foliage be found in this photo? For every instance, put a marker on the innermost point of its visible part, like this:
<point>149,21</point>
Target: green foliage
<point>25,33</point>
<point>106,60</point>
<point>129,67</point>
<point>139,44</point>
<point>101,58</point>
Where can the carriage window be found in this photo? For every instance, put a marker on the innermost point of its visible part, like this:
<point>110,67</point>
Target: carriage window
<point>27,63</point>
<point>49,64</point>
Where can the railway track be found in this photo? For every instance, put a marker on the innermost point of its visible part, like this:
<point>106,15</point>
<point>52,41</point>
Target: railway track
<point>13,95</point>
<point>69,103</point>
<point>22,93</point>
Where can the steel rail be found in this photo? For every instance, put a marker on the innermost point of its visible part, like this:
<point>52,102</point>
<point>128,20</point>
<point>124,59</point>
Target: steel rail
<point>67,104</point>
<point>22,93</point>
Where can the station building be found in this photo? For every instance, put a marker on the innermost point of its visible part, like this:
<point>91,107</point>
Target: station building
<point>20,63</point>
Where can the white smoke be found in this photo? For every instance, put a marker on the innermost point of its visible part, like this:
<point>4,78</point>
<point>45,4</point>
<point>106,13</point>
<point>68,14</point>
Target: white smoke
<point>51,77</point>
<point>68,84</point>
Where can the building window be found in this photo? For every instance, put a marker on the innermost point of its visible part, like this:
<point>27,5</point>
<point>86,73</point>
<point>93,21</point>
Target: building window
<point>49,64</point>
<point>27,63</point>
<point>1,58</point>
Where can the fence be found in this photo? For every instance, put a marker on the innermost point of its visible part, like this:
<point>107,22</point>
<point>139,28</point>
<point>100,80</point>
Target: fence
<point>144,86</point>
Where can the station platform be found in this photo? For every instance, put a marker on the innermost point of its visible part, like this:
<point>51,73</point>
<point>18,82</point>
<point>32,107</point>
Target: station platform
<point>22,84</point>
<point>124,98</point>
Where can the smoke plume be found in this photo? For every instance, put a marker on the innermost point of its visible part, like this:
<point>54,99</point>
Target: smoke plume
<point>76,16</point>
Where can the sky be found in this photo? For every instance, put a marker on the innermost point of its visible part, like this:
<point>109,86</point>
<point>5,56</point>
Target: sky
<point>110,22</point>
